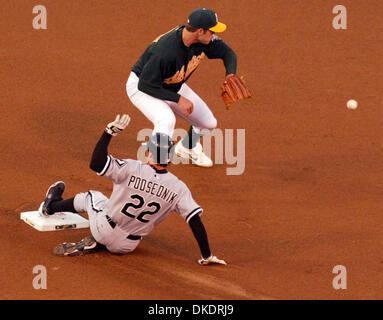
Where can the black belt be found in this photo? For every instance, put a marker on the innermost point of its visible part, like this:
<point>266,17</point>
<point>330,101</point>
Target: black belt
<point>113,225</point>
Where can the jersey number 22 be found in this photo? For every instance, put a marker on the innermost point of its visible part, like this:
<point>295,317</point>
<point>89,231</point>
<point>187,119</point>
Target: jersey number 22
<point>139,205</point>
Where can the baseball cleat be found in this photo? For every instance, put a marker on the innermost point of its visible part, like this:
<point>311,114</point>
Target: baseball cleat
<point>85,246</point>
<point>196,155</point>
<point>54,193</point>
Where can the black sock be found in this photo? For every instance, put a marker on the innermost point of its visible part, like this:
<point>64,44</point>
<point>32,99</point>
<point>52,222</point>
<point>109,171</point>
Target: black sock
<point>191,139</point>
<point>63,206</point>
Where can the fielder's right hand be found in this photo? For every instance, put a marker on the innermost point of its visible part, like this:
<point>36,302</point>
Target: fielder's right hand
<point>212,259</point>
<point>119,124</point>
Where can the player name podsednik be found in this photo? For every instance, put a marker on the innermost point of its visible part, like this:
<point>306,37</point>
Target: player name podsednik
<point>153,188</point>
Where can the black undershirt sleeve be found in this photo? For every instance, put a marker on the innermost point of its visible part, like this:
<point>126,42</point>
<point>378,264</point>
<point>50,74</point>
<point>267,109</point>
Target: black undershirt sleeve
<point>230,62</point>
<point>100,153</point>
<point>200,234</point>
<point>218,49</point>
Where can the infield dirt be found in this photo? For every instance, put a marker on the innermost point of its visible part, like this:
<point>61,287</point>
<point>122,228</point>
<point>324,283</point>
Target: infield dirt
<point>311,195</point>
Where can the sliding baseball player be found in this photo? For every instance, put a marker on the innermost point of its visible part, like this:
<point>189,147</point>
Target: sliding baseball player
<point>143,196</point>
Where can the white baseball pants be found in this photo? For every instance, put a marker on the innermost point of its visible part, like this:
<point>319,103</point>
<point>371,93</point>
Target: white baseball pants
<point>114,239</point>
<point>161,112</point>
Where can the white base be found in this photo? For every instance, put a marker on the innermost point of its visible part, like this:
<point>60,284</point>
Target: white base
<point>58,221</point>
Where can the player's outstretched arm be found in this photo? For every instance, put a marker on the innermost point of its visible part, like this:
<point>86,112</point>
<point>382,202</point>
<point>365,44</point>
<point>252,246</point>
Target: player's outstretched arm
<point>100,152</point>
<point>201,236</point>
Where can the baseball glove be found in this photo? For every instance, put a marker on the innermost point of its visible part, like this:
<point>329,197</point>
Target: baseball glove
<point>234,89</point>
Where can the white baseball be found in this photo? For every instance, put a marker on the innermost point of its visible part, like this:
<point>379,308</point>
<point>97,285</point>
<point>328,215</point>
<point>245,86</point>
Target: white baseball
<point>352,104</point>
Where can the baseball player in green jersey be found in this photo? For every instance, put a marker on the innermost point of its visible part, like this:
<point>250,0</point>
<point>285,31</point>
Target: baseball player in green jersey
<point>157,84</point>
<point>143,196</point>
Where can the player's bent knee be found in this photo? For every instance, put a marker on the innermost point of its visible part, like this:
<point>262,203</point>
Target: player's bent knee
<point>207,128</point>
<point>212,124</point>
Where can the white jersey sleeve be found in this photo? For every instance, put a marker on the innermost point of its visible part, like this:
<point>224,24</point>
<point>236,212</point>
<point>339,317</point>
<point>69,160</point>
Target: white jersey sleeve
<point>118,170</point>
<point>186,206</point>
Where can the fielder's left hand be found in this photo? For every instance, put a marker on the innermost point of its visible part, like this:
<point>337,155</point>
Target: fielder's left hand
<point>119,124</point>
<point>212,259</point>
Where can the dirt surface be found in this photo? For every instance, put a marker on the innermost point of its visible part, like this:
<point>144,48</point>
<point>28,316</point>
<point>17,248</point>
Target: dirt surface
<point>311,195</point>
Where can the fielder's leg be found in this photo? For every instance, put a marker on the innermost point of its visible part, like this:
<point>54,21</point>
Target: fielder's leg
<point>156,110</point>
<point>202,123</point>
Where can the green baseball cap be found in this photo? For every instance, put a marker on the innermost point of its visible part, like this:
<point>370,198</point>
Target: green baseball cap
<point>206,19</point>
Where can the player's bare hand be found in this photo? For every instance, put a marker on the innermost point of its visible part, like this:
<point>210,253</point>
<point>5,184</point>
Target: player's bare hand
<point>186,106</point>
<point>212,259</point>
<point>119,124</point>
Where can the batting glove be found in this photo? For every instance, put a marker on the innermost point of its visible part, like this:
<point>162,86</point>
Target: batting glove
<point>119,124</point>
<point>210,260</point>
